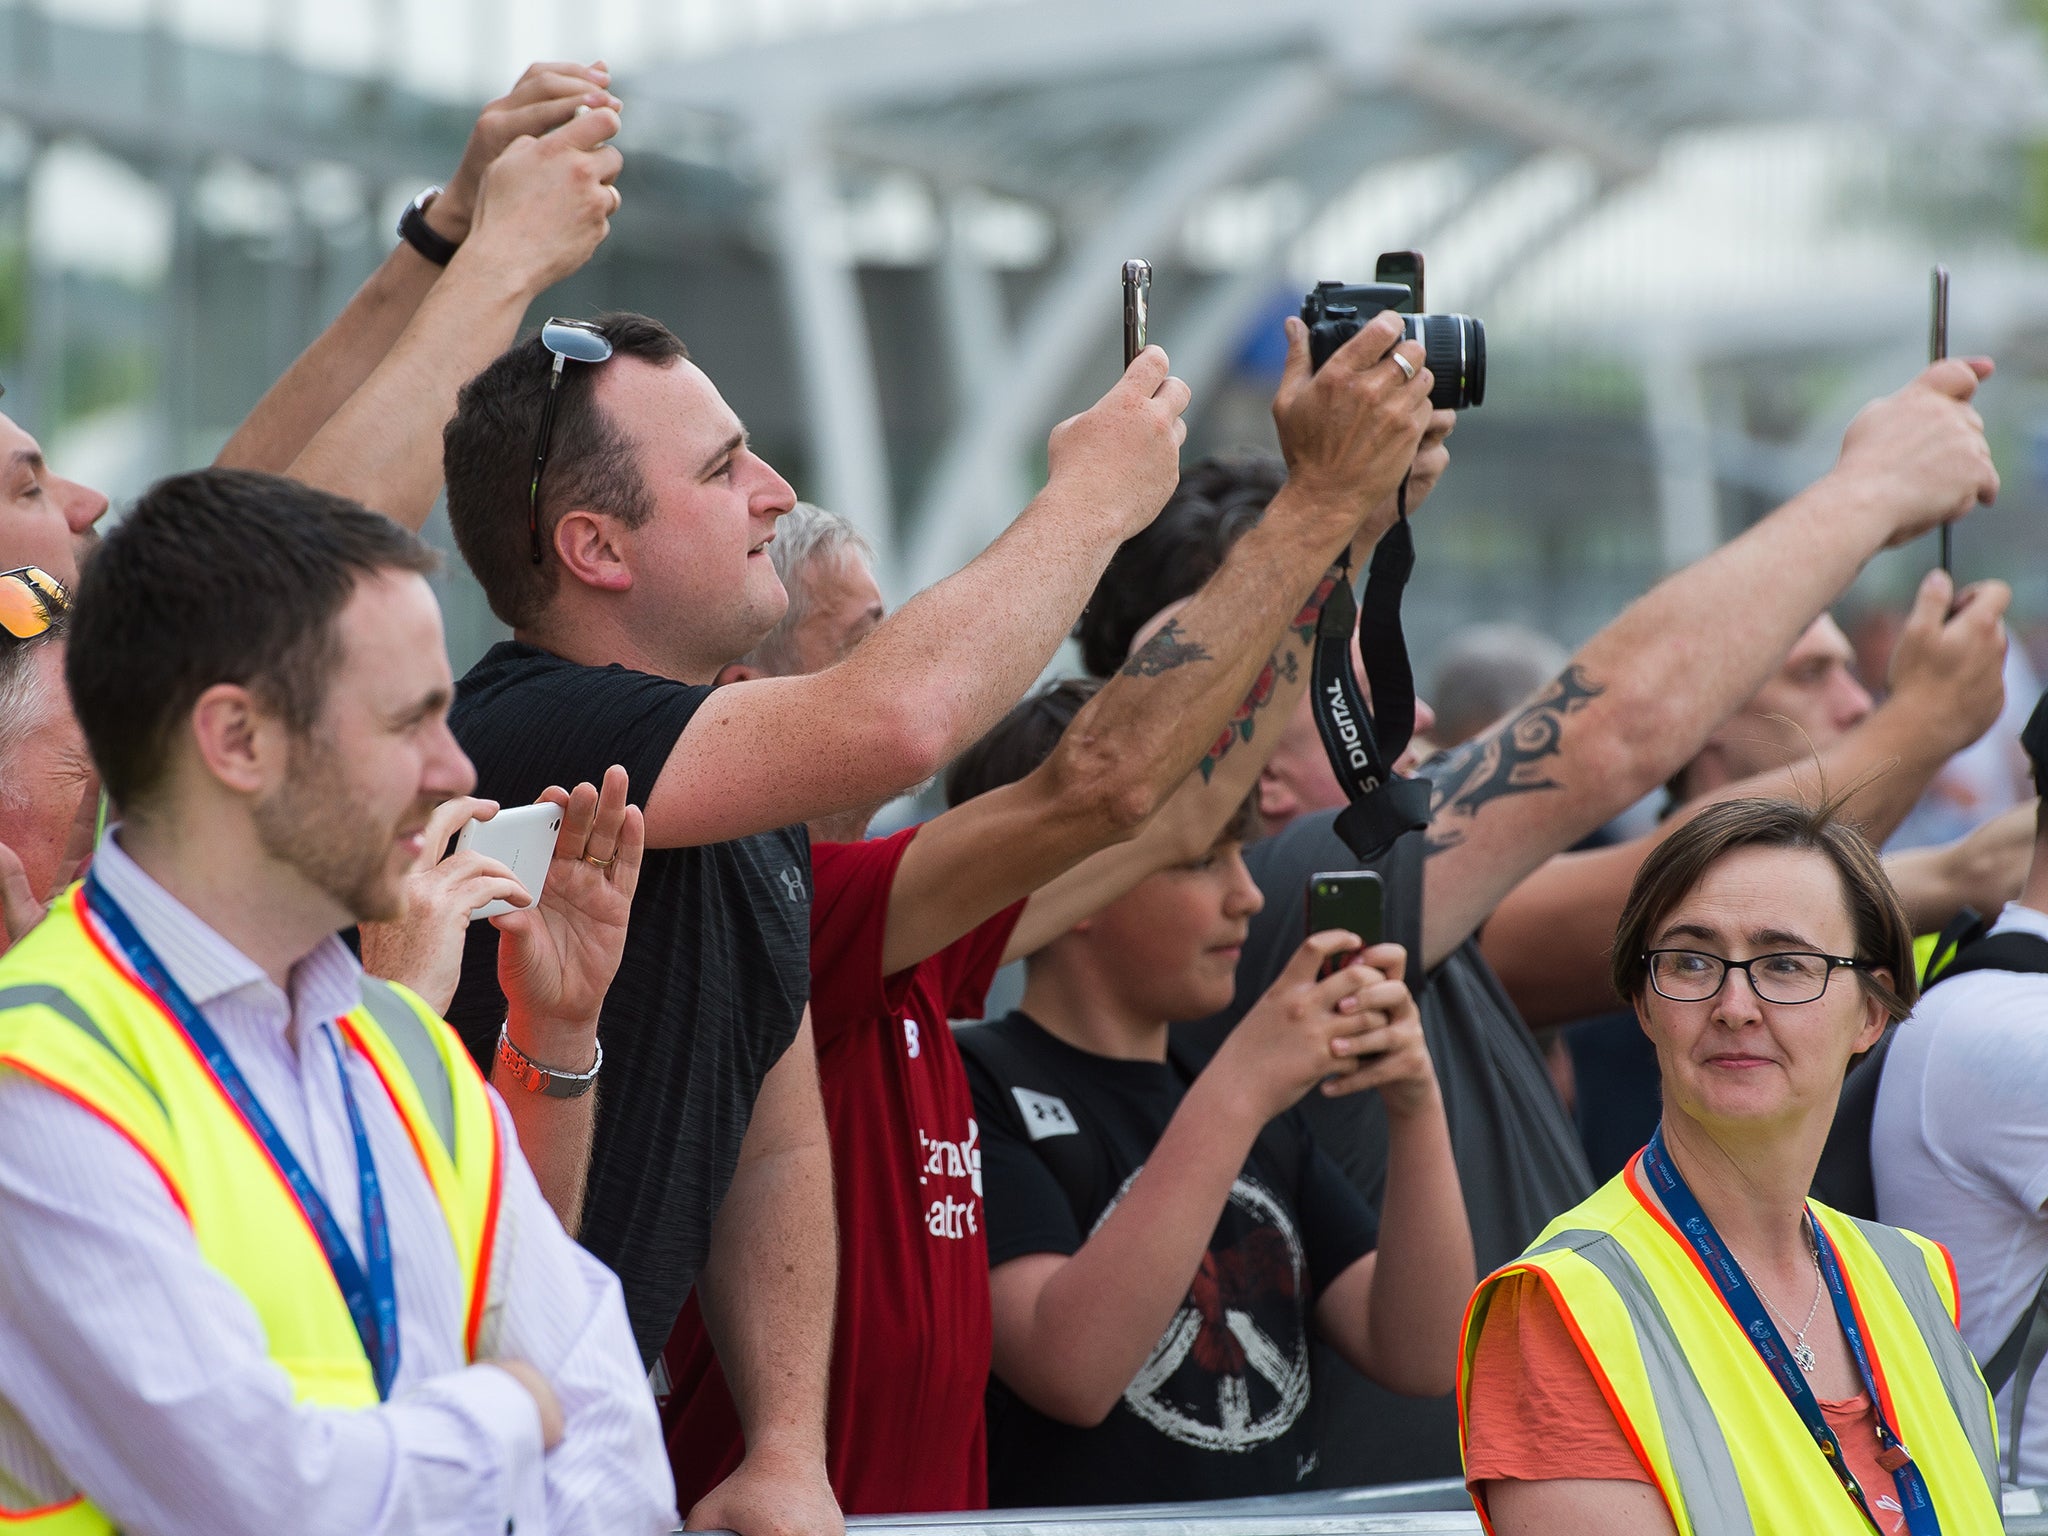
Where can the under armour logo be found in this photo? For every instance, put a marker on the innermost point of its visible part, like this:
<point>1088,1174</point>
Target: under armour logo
<point>792,883</point>
<point>1045,1115</point>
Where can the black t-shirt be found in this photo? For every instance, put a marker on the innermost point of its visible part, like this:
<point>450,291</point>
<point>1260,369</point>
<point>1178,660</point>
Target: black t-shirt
<point>1220,1410</point>
<point>710,990</point>
<point>1519,1157</point>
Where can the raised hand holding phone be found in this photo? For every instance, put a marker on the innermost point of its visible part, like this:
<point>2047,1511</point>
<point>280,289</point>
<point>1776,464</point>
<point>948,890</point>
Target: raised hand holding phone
<point>521,841</point>
<point>422,947</point>
<point>557,958</point>
<point>1353,900</point>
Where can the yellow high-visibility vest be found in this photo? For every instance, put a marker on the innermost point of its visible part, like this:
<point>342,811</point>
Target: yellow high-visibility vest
<point>73,1017</point>
<point>1702,1412</point>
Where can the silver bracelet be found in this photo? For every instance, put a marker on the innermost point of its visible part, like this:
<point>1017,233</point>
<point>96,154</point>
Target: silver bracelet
<point>547,1081</point>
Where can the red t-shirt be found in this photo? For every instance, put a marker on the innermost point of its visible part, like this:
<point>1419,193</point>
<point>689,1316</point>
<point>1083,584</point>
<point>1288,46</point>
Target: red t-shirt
<point>910,1349</point>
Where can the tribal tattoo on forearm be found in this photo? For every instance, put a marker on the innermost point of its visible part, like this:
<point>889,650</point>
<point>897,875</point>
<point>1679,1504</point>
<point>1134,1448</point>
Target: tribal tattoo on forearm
<point>1514,760</point>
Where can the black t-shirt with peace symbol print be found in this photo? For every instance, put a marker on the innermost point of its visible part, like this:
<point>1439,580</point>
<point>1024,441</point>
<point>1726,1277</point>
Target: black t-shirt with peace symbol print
<point>1220,1410</point>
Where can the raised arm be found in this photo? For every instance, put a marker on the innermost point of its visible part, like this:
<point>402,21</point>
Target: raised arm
<point>940,671</point>
<point>1188,825</point>
<point>1641,697</point>
<point>1350,433</point>
<point>1550,936</point>
<point>546,204</point>
<point>342,356</point>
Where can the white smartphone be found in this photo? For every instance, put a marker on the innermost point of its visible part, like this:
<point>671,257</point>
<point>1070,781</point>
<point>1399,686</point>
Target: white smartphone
<point>520,837</point>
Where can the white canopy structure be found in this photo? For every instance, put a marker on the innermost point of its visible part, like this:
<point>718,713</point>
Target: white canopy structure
<point>1121,122</point>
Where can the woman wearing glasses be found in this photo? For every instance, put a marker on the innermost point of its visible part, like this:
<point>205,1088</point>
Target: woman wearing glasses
<point>1699,1348</point>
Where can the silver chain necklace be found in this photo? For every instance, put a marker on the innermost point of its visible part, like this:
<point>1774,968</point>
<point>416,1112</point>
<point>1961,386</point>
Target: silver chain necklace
<point>1802,1352</point>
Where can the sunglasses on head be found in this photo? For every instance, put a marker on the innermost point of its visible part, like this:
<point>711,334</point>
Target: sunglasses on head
<point>571,341</point>
<point>31,600</point>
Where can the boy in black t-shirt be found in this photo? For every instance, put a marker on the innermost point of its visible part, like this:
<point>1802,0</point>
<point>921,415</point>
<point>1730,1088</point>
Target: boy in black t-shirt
<point>1163,1245</point>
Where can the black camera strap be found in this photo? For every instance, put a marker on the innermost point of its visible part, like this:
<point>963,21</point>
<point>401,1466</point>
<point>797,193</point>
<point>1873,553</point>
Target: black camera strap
<point>1362,744</point>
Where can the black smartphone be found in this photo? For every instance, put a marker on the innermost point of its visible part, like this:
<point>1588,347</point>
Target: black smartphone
<point>1352,899</point>
<point>1405,268</point>
<point>1137,297</point>
<point>1937,349</point>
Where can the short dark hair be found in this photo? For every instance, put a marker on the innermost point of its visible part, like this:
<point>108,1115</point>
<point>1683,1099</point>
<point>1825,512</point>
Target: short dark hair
<point>220,576</point>
<point>1217,499</point>
<point>1884,937</point>
<point>487,457</point>
<point>1025,737</point>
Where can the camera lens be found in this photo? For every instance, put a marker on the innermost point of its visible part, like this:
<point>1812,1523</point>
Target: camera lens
<point>1454,347</point>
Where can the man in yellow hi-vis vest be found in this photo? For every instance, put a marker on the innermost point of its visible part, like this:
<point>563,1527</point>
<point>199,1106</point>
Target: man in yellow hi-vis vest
<point>270,1258</point>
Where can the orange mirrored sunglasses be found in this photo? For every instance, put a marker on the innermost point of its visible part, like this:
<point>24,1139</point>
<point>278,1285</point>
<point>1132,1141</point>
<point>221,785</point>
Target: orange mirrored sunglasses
<point>31,600</point>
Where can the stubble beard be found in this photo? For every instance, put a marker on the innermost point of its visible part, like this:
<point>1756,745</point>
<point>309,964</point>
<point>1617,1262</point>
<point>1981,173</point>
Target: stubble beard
<point>318,827</point>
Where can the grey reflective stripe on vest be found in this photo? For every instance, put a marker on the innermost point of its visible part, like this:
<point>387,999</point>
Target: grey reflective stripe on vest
<point>1953,1362</point>
<point>1700,1459</point>
<point>408,1036</point>
<point>65,1006</point>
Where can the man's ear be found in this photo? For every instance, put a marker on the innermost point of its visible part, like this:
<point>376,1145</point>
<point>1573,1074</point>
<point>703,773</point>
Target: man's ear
<point>243,746</point>
<point>736,672</point>
<point>590,548</point>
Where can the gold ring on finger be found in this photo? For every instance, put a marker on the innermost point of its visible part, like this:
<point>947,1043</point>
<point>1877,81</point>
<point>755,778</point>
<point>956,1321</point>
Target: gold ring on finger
<point>601,863</point>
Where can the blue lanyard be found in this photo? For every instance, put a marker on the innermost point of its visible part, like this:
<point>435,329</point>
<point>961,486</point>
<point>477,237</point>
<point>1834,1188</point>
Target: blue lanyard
<point>1750,1315</point>
<point>373,1298</point>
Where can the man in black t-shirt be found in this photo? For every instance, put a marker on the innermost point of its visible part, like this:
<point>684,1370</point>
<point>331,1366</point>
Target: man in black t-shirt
<point>625,546</point>
<point>1163,1244</point>
<point>703,1007</point>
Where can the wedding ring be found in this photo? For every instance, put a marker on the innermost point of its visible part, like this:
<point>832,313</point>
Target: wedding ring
<point>601,863</point>
<point>1406,367</point>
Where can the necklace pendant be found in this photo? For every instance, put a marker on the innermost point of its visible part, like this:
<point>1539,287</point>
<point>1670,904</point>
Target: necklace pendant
<point>1803,1357</point>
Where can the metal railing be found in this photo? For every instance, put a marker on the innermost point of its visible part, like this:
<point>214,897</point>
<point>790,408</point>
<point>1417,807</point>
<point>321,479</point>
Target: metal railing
<point>1437,1506</point>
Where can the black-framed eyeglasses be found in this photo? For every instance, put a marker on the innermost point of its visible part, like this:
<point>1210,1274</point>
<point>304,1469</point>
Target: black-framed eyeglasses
<point>31,602</point>
<point>571,341</point>
<point>1791,976</point>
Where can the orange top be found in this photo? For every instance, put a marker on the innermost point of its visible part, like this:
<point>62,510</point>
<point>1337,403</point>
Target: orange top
<point>1533,1408</point>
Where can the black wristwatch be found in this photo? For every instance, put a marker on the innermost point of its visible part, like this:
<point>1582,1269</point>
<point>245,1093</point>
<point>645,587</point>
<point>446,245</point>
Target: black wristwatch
<point>414,230</point>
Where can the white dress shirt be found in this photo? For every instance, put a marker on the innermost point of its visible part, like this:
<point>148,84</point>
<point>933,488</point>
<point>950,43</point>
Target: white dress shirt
<point>132,1369</point>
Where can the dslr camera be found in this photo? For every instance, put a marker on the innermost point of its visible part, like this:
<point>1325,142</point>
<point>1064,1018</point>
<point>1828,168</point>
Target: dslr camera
<point>1454,346</point>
